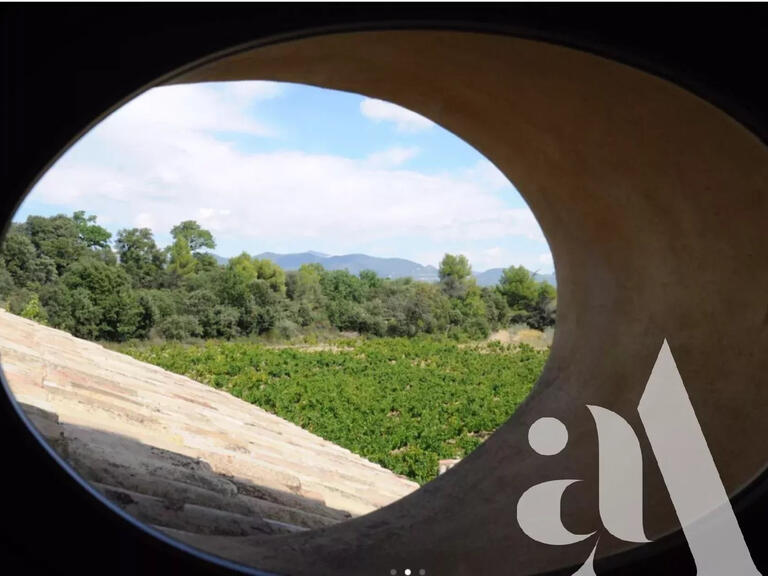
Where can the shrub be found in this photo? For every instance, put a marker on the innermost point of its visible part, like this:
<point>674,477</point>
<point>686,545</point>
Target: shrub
<point>34,310</point>
<point>180,327</point>
<point>286,330</point>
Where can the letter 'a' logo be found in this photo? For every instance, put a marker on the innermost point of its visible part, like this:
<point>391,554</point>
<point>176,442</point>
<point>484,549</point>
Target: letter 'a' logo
<point>697,493</point>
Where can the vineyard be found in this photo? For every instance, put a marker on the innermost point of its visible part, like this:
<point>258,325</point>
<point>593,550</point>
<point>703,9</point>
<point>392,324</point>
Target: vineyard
<point>404,403</point>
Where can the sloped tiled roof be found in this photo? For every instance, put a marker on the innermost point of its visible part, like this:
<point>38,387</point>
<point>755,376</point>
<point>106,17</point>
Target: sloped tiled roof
<point>177,454</point>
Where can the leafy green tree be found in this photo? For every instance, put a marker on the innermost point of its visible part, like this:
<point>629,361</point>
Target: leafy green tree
<point>107,299</point>
<point>474,320</point>
<point>244,266</point>
<point>181,263</point>
<point>257,300</point>
<point>249,269</point>
<point>518,287</point>
<point>544,312</point>
<point>57,237</point>
<point>34,310</point>
<point>233,288</point>
<point>534,303</point>
<point>455,275</point>
<point>86,316</point>
<point>157,305</point>
<point>305,292</point>
<point>195,237</point>
<point>263,308</point>
<point>222,322</point>
<point>18,300</point>
<point>343,294</point>
<point>496,308</point>
<point>370,280</point>
<point>416,307</point>
<point>7,285</point>
<point>139,256</point>
<point>272,273</point>
<point>56,298</point>
<point>106,255</point>
<point>18,254</point>
<point>91,234</point>
<point>148,316</point>
<point>62,270</point>
<point>180,327</point>
<point>305,283</point>
<point>468,314</point>
<point>454,267</point>
<point>20,258</point>
<point>202,305</point>
<point>205,261</point>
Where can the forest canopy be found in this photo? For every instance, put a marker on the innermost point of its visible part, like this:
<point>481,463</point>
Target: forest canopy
<point>68,272</point>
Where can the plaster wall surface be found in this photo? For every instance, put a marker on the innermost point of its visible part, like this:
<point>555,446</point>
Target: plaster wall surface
<point>655,206</point>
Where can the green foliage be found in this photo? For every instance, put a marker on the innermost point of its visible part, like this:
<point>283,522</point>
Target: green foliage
<point>19,299</point>
<point>455,275</point>
<point>34,311</point>
<point>469,314</point>
<point>57,300</point>
<point>370,279</point>
<point>181,263</point>
<point>191,234</point>
<point>56,238</point>
<point>7,285</point>
<point>20,259</point>
<point>452,266</point>
<point>180,327</point>
<point>91,234</point>
<point>222,322</point>
<point>205,261</point>
<point>544,312</point>
<point>518,287</point>
<point>249,269</point>
<point>496,308</point>
<point>404,403</point>
<point>147,317</point>
<point>105,300</point>
<point>534,303</point>
<point>86,316</point>
<point>139,256</point>
<point>138,290</point>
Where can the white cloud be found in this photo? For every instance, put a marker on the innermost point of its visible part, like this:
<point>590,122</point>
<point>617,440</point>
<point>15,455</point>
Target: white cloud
<point>144,220</point>
<point>404,119</point>
<point>254,90</point>
<point>486,173</point>
<point>392,156</point>
<point>159,161</point>
<point>269,196</point>
<point>210,107</point>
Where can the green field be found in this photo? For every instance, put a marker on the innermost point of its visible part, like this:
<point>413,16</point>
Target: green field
<point>404,403</point>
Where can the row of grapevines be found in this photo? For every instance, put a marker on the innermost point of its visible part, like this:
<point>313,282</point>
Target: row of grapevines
<point>404,403</point>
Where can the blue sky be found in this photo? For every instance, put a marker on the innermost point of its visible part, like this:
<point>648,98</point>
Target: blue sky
<point>288,168</point>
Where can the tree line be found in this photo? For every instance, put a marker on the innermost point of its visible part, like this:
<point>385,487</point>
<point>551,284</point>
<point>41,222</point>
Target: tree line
<point>69,273</point>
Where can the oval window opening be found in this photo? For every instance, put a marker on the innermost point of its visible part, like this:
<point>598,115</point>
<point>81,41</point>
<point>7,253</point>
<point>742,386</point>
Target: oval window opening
<point>256,308</point>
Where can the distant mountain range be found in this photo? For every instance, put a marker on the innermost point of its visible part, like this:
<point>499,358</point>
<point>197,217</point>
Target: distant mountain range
<point>220,260</point>
<point>356,263</point>
<point>492,276</point>
<point>385,267</point>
